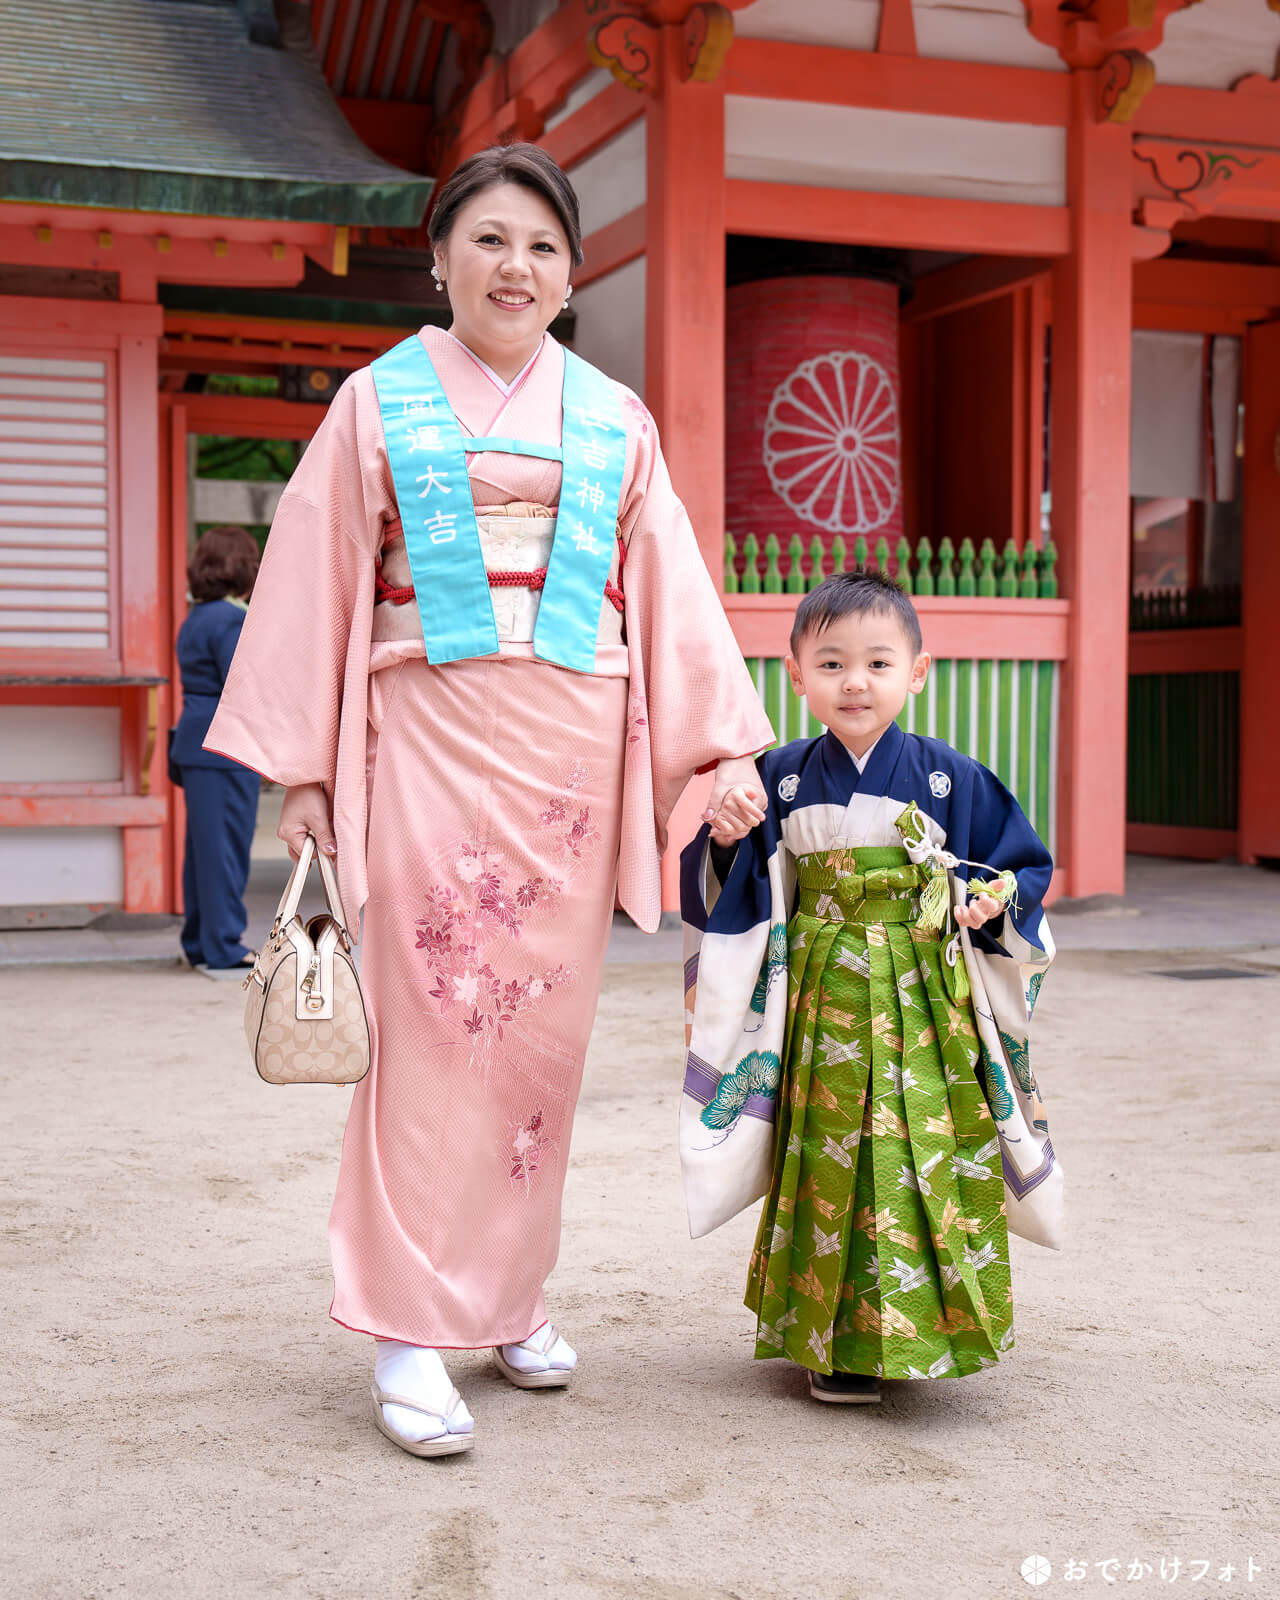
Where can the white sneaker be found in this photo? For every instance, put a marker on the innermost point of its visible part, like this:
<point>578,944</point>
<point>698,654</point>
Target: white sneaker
<point>544,1360</point>
<point>415,1404</point>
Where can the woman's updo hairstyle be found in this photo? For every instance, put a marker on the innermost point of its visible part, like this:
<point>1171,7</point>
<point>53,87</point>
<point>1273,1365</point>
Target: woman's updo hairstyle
<point>525,164</point>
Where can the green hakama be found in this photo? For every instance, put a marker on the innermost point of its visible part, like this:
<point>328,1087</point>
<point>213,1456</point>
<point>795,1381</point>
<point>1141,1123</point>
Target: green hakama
<point>883,1246</point>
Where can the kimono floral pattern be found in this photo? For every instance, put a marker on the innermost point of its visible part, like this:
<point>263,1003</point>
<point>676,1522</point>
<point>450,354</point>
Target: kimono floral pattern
<point>470,928</point>
<point>531,1144</point>
<point>636,719</point>
<point>883,1246</point>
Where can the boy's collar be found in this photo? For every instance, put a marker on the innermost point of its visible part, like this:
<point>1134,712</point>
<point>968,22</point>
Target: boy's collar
<point>881,760</point>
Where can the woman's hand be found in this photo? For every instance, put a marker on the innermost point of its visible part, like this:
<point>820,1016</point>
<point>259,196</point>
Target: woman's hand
<point>979,910</point>
<point>738,801</point>
<point>306,810</point>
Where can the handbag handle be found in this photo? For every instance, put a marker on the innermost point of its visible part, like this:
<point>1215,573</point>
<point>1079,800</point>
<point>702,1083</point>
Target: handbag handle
<point>292,896</point>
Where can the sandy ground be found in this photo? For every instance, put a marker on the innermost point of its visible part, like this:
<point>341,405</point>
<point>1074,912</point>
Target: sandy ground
<point>183,1420</point>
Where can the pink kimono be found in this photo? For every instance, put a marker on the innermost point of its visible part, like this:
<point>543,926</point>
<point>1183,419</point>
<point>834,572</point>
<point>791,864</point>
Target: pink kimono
<point>486,812</point>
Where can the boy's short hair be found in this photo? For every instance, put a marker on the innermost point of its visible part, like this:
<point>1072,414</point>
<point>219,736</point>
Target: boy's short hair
<point>856,593</point>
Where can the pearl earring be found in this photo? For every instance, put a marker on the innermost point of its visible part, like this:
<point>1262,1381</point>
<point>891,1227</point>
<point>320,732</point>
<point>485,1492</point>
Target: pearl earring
<point>435,273</point>
<point>568,295</point>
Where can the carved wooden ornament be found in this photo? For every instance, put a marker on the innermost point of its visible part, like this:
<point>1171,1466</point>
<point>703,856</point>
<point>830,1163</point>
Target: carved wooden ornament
<point>708,33</point>
<point>1124,80</point>
<point>627,46</point>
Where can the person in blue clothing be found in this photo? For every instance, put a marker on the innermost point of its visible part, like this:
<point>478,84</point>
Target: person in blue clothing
<point>221,795</point>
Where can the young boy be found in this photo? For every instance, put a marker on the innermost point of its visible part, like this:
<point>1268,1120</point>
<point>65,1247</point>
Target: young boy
<point>863,958</point>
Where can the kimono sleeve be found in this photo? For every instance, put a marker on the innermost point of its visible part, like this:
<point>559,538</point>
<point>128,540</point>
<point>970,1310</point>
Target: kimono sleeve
<point>1006,962</point>
<point>280,708</point>
<point>702,705</point>
<point>1001,836</point>
<point>735,1010</point>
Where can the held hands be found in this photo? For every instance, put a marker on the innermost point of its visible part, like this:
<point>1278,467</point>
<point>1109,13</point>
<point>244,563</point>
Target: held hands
<point>306,810</point>
<point>737,802</point>
<point>978,911</point>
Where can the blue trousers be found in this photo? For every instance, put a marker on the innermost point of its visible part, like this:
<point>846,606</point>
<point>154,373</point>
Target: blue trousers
<point>222,809</point>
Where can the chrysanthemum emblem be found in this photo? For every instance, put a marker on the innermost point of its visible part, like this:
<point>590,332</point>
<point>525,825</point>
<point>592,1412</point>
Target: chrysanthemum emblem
<point>831,443</point>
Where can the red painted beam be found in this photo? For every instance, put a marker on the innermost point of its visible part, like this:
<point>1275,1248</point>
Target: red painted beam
<point>772,70</point>
<point>613,246</point>
<point>81,811</point>
<point>565,29</point>
<point>968,283</point>
<point>547,63</point>
<point>318,337</point>
<point>1222,285</point>
<point>1194,319</point>
<point>251,418</point>
<point>906,221</point>
<point>1186,650</point>
<point>1250,116</point>
<point>970,628</point>
<point>603,117</point>
<point>211,259</point>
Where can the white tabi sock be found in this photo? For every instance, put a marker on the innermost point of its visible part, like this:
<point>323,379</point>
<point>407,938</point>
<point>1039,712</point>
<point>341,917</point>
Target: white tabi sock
<point>531,1357</point>
<point>418,1374</point>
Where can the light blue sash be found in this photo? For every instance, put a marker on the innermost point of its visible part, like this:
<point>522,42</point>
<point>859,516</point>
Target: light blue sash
<point>428,457</point>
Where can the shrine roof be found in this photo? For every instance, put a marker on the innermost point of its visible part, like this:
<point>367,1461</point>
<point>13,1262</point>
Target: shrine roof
<point>171,106</point>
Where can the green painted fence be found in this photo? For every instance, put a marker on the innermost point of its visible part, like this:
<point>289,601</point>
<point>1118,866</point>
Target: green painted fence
<point>1005,713</point>
<point>755,566</point>
<point>1184,749</point>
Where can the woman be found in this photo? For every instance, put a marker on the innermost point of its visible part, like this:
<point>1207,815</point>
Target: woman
<point>222,798</point>
<point>503,702</point>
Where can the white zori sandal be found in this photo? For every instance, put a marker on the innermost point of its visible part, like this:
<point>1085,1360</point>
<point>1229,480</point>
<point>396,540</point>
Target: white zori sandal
<point>430,1419</point>
<point>544,1360</point>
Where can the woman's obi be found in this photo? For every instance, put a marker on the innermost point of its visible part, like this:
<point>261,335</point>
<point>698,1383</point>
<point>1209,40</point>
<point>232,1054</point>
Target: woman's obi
<point>515,541</point>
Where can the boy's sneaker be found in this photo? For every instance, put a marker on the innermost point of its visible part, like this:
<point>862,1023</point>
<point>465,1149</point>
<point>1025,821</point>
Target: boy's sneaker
<point>844,1388</point>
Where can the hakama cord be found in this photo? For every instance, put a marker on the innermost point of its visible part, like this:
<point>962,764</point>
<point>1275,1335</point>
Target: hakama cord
<point>483,948</point>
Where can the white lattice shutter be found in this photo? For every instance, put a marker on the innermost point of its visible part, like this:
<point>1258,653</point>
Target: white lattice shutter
<point>54,525</point>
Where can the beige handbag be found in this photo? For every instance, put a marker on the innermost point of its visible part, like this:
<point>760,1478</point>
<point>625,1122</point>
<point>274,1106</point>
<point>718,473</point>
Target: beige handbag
<point>305,1019</point>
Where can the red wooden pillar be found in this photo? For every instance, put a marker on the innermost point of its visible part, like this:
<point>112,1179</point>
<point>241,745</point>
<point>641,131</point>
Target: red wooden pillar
<point>1092,323</point>
<point>684,329</point>
<point>1259,815</point>
<point>143,649</point>
<point>685,292</point>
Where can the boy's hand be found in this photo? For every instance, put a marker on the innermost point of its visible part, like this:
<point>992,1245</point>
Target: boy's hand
<point>978,911</point>
<point>737,802</point>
